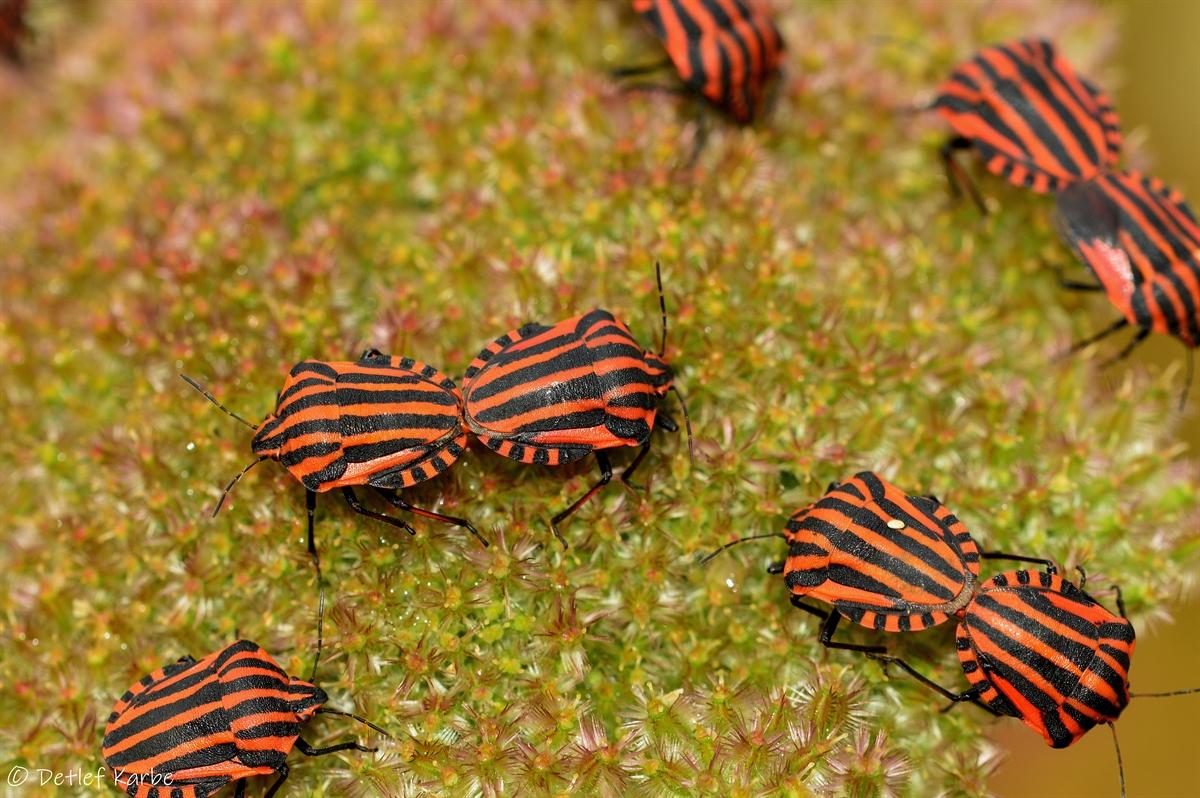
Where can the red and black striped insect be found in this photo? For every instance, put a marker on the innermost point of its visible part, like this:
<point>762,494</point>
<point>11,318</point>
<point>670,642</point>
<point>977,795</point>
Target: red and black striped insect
<point>381,421</point>
<point>1141,243</point>
<point>192,727</point>
<point>724,51</point>
<point>1034,120</point>
<point>553,395</point>
<point>1036,647</point>
<point>1041,649</point>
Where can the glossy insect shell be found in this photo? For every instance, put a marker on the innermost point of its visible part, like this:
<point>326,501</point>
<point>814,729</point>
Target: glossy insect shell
<point>725,50</point>
<point>229,716</point>
<point>1035,121</point>
<point>1046,652</point>
<point>883,559</point>
<point>552,395</point>
<point>1142,242</point>
<point>388,422</point>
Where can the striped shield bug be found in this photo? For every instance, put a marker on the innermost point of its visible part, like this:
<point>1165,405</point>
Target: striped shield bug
<point>724,51</point>
<point>1034,120</point>
<point>381,421</point>
<point>190,728</point>
<point>1141,243</point>
<point>1039,648</point>
<point>551,395</point>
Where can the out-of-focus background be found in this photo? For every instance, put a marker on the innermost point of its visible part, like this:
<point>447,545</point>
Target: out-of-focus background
<point>1158,97</point>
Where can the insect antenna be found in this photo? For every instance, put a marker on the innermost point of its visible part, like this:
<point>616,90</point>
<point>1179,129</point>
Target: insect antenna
<point>317,659</point>
<point>746,539</point>
<point>363,721</point>
<point>662,307</point>
<point>1166,694</point>
<point>234,481</point>
<point>662,349</point>
<point>1120,764</point>
<point>204,392</point>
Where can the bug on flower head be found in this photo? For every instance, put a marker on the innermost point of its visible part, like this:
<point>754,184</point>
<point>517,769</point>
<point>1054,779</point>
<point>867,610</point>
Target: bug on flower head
<point>1140,241</point>
<point>382,421</point>
<point>1037,647</point>
<point>1033,119</point>
<point>724,51</point>
<point>551,395</point>
<point>193,726</point>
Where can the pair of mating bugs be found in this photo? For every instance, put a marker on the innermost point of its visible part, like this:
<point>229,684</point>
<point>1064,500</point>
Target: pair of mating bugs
<point>1032,645</point>
<point>544,395</point>
<point>1033,119</point>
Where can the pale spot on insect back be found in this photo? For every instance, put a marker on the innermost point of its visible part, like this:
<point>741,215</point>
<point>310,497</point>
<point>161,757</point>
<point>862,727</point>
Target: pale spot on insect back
<point>895,523</point>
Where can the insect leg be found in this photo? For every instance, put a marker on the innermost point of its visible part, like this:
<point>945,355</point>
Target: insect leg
<point>1116,589</point>
<point>970,695</point>
<point>1049,565</point>
<point>308,750</point>
<point>640,69</point>
<point>799,604</point>
<point>776,567</point>
<point>283,774</point>
<point>879,654</point>
<point>1107,331</point>
<point>1142,334</point>
<point>774,92</point>
<point>637,461</point>
<point>1075,285</point>
<point>702,124</point>
<point>956,175</point>
<point>955,698</point>
<point>310,502</point>
<point>394,499</point>
<point>357,507</point>
<point>656,88</point>
<point>830,626</point>
<point>240,790</point>
<point>605,477</point>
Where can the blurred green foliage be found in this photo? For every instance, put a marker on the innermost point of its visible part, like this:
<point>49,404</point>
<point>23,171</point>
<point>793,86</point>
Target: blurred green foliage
<point>224,189</point>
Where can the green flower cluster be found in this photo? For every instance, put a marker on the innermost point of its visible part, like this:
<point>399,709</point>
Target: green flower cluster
<point>227,188</point>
